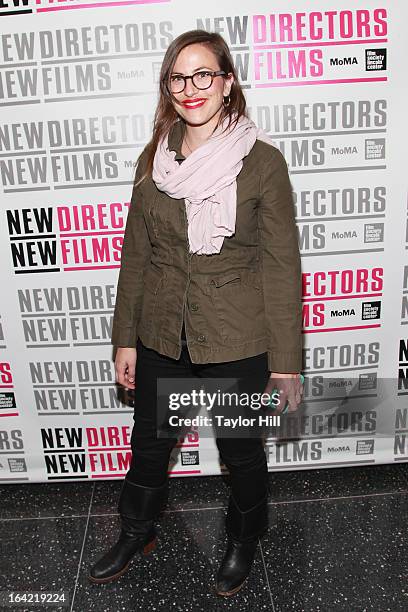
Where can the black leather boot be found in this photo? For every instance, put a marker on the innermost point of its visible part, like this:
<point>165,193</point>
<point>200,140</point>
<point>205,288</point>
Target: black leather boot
<point>138,507</point>
<point>243,530</point>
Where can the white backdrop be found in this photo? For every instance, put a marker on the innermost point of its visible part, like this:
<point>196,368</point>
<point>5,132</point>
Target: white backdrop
<point>78,87</point>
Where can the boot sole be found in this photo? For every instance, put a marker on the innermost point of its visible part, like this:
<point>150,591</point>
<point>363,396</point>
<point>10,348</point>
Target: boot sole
<point>233,591</point>
<point>146,550</point>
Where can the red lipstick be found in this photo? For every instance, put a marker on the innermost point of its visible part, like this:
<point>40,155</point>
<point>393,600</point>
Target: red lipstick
<point>193,103</point>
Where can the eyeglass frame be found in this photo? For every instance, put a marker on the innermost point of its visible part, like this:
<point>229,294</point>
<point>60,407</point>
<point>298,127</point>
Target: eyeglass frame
<point>214,73</point>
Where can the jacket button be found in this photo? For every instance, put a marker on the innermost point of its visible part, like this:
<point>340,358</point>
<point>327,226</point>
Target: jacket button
<point>194,307</point>
<point>201,338</point>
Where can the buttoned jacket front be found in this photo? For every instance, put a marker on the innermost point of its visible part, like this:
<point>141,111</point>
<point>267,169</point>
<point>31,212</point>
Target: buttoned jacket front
<point>237,303</point>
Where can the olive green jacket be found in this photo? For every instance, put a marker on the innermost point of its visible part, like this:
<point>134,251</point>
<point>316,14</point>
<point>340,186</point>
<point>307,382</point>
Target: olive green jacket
<point>238,303</point>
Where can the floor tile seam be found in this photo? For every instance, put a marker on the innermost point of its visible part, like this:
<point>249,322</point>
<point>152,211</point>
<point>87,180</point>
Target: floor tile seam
<point>267,577</point>
<point>82,548</point>
<point>294,501</point>
<point>270,503</point>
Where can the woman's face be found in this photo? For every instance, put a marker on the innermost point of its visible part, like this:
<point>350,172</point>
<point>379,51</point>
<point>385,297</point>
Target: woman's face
<point>191,59</point>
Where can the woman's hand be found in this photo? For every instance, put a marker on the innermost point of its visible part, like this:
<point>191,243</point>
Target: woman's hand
<point>290,389</point>
<point>125,366</point>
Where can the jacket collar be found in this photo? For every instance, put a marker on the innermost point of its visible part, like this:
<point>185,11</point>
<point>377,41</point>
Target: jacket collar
<point>175,139</point>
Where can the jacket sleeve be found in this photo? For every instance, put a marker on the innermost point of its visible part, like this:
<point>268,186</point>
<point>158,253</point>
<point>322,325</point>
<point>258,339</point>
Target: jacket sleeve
<point>281,265</point>
<point>136,252</point>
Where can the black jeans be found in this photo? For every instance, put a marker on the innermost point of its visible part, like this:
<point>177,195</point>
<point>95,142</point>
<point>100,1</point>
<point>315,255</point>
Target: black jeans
<point>244,457</point>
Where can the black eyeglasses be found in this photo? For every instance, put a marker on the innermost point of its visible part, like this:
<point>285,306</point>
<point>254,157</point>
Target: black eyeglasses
<point>203,79</point>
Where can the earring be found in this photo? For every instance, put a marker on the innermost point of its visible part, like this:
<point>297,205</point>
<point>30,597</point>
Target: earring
<point>229,100</point>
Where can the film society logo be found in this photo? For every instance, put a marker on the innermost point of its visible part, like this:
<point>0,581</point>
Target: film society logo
<point>339,300</point>
<point>8,407</point>
<point>12,458</point>
<point>100,150</point>
<point>274,49</point>
<point>100,452</point>
<point>185,456</point>
<point>67,316</point>
<point>401,418</point>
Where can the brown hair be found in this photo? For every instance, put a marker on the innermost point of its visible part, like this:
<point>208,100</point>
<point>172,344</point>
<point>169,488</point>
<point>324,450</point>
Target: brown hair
<point>165,115</point>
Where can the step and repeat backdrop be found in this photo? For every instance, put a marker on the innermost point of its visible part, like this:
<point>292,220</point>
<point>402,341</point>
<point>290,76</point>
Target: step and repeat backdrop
<point>78,89</point>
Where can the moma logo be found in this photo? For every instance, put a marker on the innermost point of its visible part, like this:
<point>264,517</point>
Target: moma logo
<point>343,61</point>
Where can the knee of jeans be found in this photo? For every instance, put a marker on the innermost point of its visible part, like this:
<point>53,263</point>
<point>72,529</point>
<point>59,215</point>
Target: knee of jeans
<point>149,465</point>
<point>150,445</point>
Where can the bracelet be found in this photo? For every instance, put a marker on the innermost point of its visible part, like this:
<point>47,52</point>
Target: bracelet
<point>275,390</point>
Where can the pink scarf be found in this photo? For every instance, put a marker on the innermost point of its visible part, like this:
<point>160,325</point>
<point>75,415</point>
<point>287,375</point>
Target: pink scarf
<point>207,181</point>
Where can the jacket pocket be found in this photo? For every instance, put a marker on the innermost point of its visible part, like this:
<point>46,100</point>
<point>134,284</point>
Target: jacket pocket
<point>231,278</point>
<point>252,278</point>
<point>239,305</point>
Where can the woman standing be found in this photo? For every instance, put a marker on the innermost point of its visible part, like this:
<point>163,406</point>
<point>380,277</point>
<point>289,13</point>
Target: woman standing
<point>209,286</point>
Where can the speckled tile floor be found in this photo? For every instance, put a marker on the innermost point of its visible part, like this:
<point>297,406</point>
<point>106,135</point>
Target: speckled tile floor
<point>337,542</point>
